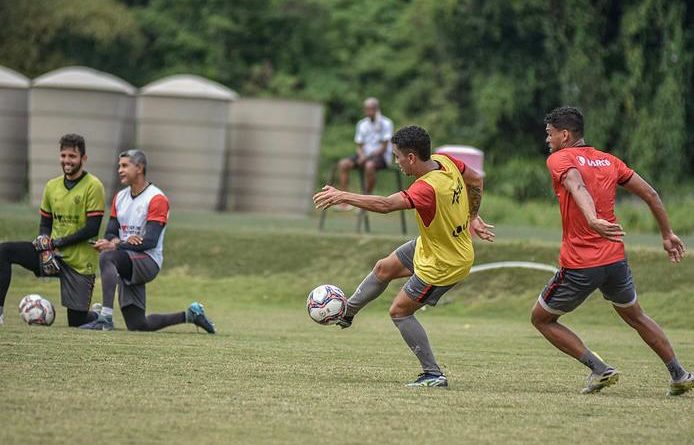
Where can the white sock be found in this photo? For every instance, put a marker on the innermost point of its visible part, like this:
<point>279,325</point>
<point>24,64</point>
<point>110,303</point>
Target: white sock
<point>107,311</point>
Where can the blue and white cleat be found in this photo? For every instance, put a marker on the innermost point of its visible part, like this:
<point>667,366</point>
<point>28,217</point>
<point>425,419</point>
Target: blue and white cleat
<point>196,315</point>
<point>429,380</point>
<point>596,382</point>
<point>103,323</point>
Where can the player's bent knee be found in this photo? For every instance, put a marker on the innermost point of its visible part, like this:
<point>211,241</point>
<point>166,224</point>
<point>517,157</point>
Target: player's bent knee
<point>540,318</point>
<point>383,270</point>
<point>396,311</point>
<point>401,311</point>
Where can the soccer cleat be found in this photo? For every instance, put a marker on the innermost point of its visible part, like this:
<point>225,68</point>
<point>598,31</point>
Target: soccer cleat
<point>596,382</point>
<point>102,323</point>
<point>344,322</point>
<point>432,380</point>
<point>196,315</point>
<point>96,307</point>
<point>681,386</point>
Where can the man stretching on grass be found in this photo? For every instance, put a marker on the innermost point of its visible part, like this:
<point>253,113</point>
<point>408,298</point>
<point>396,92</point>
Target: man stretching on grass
<point>71,211</point>
<point>592,253</point>
<point>447,197</point>
<point>132,252</point>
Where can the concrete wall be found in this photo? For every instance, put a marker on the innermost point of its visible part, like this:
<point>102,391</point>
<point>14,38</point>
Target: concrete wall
<point>79,100</point>
<point>182,130</point>
<point>206,150</point>
<point>14,103</point>
<point>272,155</point>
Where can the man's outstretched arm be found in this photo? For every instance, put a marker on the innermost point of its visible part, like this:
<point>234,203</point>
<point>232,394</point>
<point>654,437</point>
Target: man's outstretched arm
<point>671,242</point>
<point>331,196</point>
<point>573,183</point>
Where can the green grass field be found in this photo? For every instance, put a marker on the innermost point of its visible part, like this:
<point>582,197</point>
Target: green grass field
<point>273,376</point>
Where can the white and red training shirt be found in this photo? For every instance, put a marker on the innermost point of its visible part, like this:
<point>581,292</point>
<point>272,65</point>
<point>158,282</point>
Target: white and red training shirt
<point>134,213</point>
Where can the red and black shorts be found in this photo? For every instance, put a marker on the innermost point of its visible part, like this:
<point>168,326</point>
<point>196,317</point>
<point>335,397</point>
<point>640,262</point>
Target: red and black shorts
<point>569,288</point>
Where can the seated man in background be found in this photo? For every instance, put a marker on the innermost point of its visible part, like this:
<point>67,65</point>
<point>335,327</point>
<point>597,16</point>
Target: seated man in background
<point>374,149</point>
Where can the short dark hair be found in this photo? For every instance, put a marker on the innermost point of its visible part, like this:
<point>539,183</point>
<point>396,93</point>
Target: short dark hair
<point>73,140</point>
<point>415,140</point>
<point>566,118</point>
<point>137,157</point>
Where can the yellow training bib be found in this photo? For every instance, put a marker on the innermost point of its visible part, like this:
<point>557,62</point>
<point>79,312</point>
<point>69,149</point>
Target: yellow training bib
<point>444,251</point>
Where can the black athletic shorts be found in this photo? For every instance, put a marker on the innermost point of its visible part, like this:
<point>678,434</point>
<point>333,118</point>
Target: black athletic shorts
<point>570,287</point>
<point>379,161</point>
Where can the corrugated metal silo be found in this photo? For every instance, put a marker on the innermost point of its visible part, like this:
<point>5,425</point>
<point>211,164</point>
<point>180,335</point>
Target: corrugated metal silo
<point>273,148</point>
<point>94,104</point>
<point>14,102</point>
<point>182,130</point>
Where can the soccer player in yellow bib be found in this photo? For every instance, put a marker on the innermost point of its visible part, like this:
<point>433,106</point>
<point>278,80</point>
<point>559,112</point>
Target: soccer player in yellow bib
<point>447,197</point>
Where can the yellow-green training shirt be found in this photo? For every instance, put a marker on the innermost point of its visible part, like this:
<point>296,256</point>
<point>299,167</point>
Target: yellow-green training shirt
<point>69,210</point>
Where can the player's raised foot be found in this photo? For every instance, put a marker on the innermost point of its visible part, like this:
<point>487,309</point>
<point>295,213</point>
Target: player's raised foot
<point>681,386</point>
<point>596,382</point>
<point>344,322</point>
<point>102,323</point>
<point>196,315</point>
<point>432,380</point>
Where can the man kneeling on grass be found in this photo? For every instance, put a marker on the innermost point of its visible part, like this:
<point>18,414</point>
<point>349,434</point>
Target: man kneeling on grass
<point>132,252</point>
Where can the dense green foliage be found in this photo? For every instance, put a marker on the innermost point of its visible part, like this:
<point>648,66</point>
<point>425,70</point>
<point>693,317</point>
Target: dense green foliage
<point>477,72</point>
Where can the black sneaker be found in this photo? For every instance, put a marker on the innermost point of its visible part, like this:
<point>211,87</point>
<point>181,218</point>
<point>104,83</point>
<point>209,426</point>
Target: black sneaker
<point>432,380</point>
<point>344,322</point>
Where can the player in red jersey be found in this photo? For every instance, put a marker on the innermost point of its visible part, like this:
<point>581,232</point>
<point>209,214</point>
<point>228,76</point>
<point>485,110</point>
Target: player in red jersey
<point>592,254</point>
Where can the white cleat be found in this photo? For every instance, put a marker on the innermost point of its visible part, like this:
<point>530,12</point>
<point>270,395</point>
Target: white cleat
<point>681,386</point>
<point>596,382</point>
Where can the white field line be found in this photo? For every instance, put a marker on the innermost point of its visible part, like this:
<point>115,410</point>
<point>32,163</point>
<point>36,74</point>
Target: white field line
<point>513,264</point>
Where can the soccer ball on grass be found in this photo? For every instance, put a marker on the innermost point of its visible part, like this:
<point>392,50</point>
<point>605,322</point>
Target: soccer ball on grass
<point>326,304</point>
<point>36,310</point>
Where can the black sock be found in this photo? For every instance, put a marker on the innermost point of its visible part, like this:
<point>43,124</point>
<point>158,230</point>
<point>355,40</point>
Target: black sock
<point>136,320</point>
<point>676,370</point>
<point>78,318</point>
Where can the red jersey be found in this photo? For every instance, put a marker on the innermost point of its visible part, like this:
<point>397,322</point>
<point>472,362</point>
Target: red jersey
<point>581,247</point>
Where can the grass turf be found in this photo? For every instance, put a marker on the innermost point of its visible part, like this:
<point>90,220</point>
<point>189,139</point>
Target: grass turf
<point>273,376</point>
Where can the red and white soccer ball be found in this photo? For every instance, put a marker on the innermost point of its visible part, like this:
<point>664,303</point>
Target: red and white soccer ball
<point>326,303</point>
<point>36,310</point>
